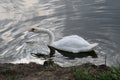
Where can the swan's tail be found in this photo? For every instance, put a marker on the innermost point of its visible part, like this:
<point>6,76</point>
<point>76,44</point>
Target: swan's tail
<point>89,48</point>
<point>93,45</point>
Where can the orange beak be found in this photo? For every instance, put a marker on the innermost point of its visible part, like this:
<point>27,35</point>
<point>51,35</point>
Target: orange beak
<point>31,30</point>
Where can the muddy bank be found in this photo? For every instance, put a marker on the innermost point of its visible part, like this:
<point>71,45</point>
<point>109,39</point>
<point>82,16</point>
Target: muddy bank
<point>33,71</point>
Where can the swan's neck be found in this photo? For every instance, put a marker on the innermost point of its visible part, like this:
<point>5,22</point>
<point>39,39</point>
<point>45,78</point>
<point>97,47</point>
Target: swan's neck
<point>50,33</point>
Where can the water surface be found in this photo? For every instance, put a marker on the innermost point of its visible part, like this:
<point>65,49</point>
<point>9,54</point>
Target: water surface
<point>95,20</point>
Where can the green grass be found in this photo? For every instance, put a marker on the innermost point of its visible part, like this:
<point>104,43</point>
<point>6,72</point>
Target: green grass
<point>93,74</point>
<point>11,78</point>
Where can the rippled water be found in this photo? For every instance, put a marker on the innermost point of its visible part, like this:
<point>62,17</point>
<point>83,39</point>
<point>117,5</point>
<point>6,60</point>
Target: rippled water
<point>94,20</point>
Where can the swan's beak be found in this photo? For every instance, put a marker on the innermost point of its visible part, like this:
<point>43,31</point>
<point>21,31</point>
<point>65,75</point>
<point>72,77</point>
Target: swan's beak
<point>31,30</point>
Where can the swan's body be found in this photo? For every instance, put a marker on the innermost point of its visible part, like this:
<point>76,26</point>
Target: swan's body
<point>71,44</point>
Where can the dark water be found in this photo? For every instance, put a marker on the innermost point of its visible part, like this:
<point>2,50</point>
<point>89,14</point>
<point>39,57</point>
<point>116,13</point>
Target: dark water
<point>97,21</point>
<point>94,20</point>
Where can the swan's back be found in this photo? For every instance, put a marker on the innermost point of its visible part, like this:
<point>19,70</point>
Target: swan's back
<point>74,44</point>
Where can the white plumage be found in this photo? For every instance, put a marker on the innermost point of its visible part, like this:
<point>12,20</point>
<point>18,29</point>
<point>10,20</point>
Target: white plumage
<point>72,43</point>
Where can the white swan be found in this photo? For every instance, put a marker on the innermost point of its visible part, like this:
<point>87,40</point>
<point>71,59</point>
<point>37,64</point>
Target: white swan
<point>69,44</point>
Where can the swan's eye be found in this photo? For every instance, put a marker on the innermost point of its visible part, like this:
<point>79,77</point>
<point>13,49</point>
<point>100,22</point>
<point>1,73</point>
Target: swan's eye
<point>33,29</point>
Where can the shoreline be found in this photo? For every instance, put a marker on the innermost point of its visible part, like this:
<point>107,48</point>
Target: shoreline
<point>33,71</point>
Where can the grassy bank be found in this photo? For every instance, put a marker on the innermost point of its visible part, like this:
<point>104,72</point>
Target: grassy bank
<point>34,71</point>
<point>101,72</point>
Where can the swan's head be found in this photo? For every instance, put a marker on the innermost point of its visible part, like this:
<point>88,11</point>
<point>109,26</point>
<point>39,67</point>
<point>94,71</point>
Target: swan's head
<point>38,30</point>
<point>34,29</point>
<point>31,30</point>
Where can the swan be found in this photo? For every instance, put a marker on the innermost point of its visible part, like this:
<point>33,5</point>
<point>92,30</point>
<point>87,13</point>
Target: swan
<point>70,46</point>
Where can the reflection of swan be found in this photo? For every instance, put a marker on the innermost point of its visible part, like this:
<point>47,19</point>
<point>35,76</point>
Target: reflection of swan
<point>69,45</point>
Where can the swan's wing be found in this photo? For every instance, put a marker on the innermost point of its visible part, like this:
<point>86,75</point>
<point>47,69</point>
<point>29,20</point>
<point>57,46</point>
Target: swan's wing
<point>74,44</point>
<point>76,48</point>
<point>87,48</point>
